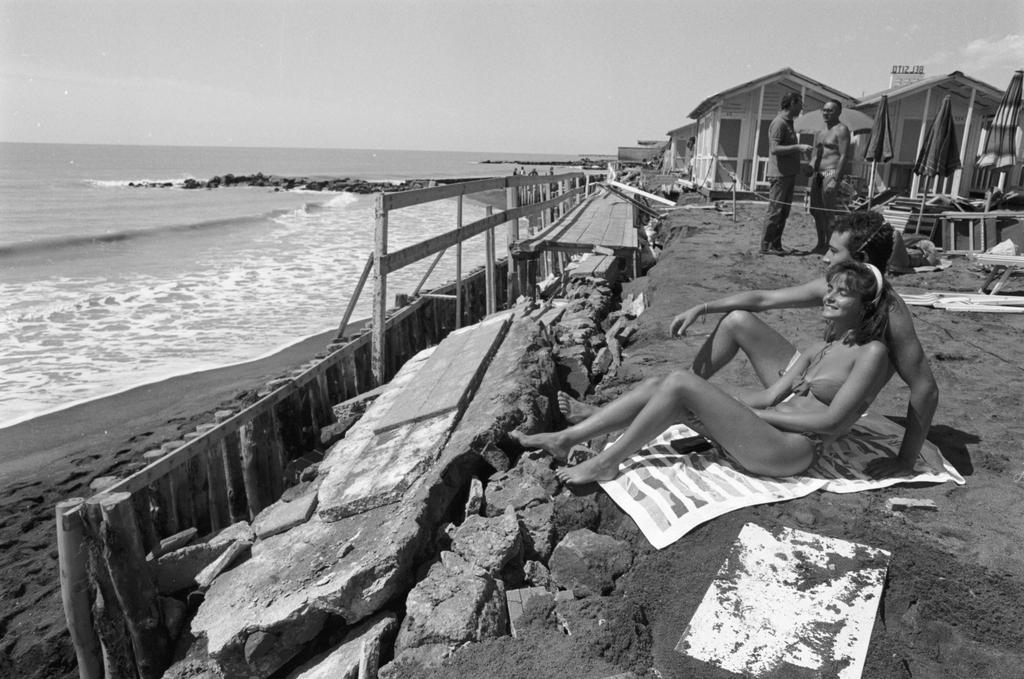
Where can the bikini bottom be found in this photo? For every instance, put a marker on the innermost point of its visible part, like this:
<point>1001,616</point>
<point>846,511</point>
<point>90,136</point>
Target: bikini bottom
<point>817,449</point>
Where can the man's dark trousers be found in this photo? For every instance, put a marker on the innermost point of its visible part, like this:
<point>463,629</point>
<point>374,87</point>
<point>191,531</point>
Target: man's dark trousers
<point>780,196</point>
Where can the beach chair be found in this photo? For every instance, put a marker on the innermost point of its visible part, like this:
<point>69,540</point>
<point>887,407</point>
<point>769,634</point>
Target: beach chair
<point>1005,264</point>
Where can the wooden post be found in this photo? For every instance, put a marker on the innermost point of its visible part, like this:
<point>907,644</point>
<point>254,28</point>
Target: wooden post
<point>355,296</point>
<point>73,560</point>
<point>458,267</point>
<point>512,235</point>
<point>199,488</point>
<point>142,503</point>
<point>492,302</point>
<point>380,292</point>
<point>231,454</point>
<point>162,496</point>
<point>255,445</point>
<point>121,549</point>
<point>182,497</point>
<point>108,619</point>
<point>219,498</point>
<point>757,141</point>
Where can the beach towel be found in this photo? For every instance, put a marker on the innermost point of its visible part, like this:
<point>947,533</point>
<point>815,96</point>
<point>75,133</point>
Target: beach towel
<point>669,491</point>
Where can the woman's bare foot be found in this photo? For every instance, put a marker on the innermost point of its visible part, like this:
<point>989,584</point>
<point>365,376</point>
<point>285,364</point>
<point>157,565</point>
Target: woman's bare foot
<point>595,469</point>
<point>572,410</point>
<point>555,443</point>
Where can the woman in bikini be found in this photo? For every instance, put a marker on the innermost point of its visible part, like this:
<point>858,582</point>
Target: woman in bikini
<point>778,431</point>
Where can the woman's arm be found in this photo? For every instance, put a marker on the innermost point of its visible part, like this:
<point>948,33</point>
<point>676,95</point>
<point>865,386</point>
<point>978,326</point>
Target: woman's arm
<point>869,367</point>
<point>782,387</point>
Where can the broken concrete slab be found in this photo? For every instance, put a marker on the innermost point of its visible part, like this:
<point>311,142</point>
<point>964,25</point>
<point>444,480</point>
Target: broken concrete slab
<point>178,570</point>
<point>447,382</point>
<point>222,563</point>
<point>357,655</point>
<point>365,470</point>
<point>284,515</point>
<point>353,566</point>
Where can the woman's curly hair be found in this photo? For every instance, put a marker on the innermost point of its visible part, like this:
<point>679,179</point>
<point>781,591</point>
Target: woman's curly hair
<point>859,279</point>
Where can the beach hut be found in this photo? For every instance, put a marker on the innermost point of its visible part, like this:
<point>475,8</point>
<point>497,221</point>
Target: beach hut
<point>911,107</point>
<point>679,156</point>
<point>732,128</point>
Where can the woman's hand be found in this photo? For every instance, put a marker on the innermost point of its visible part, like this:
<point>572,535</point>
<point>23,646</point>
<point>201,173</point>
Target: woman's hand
<point>684,320</point>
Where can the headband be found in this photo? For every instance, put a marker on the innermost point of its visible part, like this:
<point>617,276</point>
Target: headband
<point>878,282</point>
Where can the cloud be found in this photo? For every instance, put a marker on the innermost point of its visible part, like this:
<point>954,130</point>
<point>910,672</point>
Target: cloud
<point>983,53</point>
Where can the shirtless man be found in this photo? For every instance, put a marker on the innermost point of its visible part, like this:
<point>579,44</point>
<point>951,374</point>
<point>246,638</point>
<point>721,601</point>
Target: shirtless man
<point>828,163</point>
<point>858,235</point>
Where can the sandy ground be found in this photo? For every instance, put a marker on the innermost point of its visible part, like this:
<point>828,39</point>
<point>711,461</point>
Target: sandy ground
<point>955,587</point>
<point>956,580</point>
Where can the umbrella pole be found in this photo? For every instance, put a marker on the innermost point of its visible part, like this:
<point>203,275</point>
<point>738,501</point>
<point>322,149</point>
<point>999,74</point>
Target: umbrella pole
<point>917,229</point>
<point>871,183</point>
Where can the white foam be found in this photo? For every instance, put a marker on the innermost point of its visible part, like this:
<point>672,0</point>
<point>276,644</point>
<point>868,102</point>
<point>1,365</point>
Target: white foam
<point>217,300</point>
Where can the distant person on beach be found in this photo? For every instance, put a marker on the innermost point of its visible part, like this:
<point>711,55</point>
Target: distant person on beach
<point>778,431</point>
<point>861,236</point>
<point>784,154</point>
<point>533,172</point>
<point>828,162</point>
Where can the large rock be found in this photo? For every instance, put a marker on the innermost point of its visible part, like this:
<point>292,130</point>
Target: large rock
<point>587,559</point>
<point>177,570</point>
<point>351,567</point>
<point>538,529</point>
<point>456,603</point>
<point>530,482</point>
<point>489,543</point>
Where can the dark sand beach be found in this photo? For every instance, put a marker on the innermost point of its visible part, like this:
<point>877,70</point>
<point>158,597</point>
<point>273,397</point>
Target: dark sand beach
<point>955,585</point>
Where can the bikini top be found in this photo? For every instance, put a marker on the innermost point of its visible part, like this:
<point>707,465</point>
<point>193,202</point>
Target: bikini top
<point>822,388</point>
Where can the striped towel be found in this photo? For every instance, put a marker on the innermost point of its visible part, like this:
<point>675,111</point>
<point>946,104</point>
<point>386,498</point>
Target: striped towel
<point>669,493</point>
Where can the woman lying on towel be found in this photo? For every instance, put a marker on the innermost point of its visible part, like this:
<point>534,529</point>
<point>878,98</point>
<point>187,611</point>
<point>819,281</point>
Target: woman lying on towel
<point>779,431</point>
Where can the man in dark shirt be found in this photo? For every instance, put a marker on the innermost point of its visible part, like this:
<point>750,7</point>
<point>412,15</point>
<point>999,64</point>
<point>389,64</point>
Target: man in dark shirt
<point>784,154</point>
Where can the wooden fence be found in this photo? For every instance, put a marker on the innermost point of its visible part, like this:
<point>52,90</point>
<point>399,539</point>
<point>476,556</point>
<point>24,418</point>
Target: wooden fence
<point>231,470</point>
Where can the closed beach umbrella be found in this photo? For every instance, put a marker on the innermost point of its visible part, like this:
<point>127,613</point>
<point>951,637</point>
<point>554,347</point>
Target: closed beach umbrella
<point>940,155</point>
<point>879,148</point>
<point>1000,146</point>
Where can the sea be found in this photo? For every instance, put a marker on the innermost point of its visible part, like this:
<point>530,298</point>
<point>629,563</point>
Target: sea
<point>105,286</point>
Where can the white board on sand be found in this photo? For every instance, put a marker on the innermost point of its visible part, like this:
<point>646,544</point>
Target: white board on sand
<point>789,598</point>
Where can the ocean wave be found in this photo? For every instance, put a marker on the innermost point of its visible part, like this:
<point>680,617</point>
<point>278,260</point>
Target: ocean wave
<point>49,244</point>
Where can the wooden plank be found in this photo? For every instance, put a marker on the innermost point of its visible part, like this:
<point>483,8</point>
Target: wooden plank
<point>445,383</point>
<point>199,489</point>
<point>380,291</point>
<point>220,510</point>
<point>401,199</point>
<point>409,255</point>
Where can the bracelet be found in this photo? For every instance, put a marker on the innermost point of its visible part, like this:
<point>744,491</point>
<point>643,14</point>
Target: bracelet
<point>704,318</point>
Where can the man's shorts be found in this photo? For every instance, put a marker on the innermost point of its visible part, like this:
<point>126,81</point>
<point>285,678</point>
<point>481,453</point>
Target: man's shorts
<point>820,199</point>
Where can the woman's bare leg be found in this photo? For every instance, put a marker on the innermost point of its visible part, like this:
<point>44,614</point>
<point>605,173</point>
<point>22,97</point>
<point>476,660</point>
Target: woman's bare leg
<point>758,446</point>
<point>768,351</point>
<point>608,418</point>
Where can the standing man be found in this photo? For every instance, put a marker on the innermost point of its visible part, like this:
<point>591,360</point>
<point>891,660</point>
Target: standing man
<point>828,162</point>
<point>784,154</point>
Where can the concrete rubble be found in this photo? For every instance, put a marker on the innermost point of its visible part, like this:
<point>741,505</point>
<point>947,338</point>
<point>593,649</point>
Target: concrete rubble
<point>385,523</point>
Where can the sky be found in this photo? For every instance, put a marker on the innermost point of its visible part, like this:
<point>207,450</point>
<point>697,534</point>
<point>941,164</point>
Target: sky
<point>558,76</point>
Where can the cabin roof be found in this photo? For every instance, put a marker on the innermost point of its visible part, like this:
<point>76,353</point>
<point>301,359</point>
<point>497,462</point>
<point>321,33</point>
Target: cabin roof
<point>787,72</point>
<point>949,83</point>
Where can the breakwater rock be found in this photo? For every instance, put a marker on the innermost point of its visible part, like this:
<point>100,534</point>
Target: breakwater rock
<point>280,183</point>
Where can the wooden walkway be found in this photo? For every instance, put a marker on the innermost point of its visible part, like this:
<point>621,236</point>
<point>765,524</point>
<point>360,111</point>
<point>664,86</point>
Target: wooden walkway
<point>604,221</point>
